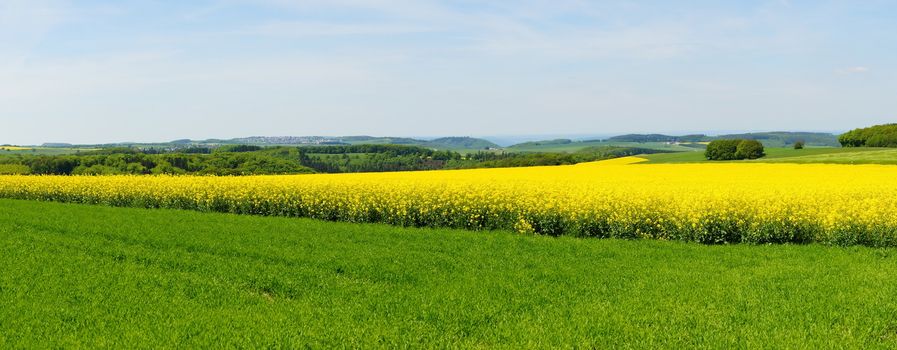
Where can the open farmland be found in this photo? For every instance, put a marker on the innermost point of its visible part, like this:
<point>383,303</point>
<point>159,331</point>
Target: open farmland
<point>865,156</point>
<point>574,146</point>
<point>16,150</point>
<point>787,155</point>
<point>79,276</point>
<point>708,203</point>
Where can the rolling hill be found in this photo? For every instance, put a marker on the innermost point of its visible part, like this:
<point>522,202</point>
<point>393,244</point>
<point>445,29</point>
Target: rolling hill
<point>769,139</point>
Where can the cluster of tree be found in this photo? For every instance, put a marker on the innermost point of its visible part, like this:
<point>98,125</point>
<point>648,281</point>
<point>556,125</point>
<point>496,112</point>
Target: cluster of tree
<point>238,148</point>
<point>370,162</point>
<point>368,158</point>
<point>875,136</point>
<point>145,150</point>
<point>460,143</point>
<point>734,149</point>
<point>508,160</point>
<point>143,163</point>
<point>391,150</point>
<point>543,143</point>
<point>255,160</point>
<point>236,160</point>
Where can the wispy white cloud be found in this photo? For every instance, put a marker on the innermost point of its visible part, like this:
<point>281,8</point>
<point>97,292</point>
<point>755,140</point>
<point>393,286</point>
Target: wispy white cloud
<point>537,28</point>
<point>145,71</point>
<point>855,70</point>
<point>396,66</point>
<point>24,23</point>
<point>288,29</point>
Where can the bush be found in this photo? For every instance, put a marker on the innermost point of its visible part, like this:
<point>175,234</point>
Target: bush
<point>728,149</point>
<point>882,140</point>
<point>164,167</point>
<point>238,148</point>
<point>722,149</point>
<point>749,149</point>
<point>95,170</point>
<point>799,145</point>
<point>875,136</point>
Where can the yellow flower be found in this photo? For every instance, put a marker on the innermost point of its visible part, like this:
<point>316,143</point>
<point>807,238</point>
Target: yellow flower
<point>729,202</point>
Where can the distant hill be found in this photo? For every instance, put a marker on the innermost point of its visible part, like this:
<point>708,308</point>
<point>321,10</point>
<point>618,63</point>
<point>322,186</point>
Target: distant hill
<point>444,143</point>
<point>461,143</point>
<point>371,140</point>
<point>659,138</point>
<point>769,139</point>
<point>279,140</point>
<point>543,143</point>
<point>786,138</point>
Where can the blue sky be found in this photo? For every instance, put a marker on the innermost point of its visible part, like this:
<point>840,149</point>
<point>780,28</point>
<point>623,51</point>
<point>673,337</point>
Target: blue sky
<point>103,71</point>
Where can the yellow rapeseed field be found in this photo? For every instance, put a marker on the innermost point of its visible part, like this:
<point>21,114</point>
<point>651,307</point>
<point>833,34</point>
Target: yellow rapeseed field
<point>709,203</point>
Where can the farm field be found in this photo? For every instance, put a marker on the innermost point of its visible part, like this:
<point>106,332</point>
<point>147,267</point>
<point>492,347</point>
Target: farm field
<point>448,174</point>
<point>12,150</point>
<point>581,145</point>
<point>786,155</point>
<point>620,198</point>
<point>93,276</point>
<point>871,156</point>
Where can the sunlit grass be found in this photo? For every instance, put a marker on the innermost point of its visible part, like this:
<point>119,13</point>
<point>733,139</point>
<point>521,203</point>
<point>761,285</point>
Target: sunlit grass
<point>78,276</point>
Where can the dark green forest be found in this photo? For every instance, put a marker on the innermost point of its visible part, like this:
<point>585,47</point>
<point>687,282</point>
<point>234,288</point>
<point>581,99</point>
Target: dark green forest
<point>874,136</point>
<point>258,160</point>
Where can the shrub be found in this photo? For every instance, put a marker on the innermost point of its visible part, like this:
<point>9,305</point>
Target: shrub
<point>164,167</point>
<point>882,140</point>
<point>874,136</point>
<point>749,149</point>
<point>238,148</point>
<point>799,145</point>
<point>734,149</point>
<point>722,149</point>
<point>95,170</point>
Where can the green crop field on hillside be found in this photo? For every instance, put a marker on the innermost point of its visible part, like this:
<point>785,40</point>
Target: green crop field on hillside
<point>575,146</point>
<point>13,150</point>
<point>89,276</point>
<point>866,156</point>
<point>790,155</point>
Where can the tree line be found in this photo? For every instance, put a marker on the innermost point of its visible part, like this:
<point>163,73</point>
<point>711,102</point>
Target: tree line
<point>734,149</point>
<point>874,136</point>
<point>256,160</point>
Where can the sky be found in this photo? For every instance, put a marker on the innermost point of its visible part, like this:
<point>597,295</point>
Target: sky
<point>110,71</point>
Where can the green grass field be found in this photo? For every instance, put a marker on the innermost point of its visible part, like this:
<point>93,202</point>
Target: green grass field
<point>870,156</point>
<point>580,145</point>
<point>790,155</point>
<point>49,151</point>
<point>89,276</point>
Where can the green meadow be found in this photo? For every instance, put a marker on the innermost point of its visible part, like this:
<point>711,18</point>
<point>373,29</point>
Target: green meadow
<point>78,276</point>
<point>847,155</point>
